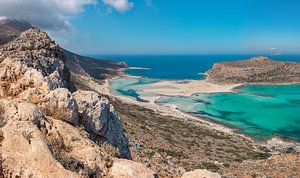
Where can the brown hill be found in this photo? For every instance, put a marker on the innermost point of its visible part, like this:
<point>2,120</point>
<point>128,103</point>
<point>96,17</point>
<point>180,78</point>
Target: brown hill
<point>255,70</point>
<point>11,29</point>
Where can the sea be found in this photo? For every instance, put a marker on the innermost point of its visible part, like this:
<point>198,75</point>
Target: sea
<point>260,111</point>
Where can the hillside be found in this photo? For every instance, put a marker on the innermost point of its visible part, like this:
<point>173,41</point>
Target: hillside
<point>11,29</point>
<point>254,70</point>
<point>86,66</point>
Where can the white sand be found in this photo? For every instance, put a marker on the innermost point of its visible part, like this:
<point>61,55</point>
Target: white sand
<point>186,87</point>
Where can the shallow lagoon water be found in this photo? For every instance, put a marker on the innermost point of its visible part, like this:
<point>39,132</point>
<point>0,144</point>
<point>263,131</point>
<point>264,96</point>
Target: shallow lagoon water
<point>257,110</point>
<point>261,111</point>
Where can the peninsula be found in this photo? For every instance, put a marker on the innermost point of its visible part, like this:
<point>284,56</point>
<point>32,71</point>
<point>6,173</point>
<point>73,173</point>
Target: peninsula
<point>255,70</point>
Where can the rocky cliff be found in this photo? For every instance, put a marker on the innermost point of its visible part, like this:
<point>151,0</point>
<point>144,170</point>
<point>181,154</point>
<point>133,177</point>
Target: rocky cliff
<point>254,70</point>
<point>48,131</point>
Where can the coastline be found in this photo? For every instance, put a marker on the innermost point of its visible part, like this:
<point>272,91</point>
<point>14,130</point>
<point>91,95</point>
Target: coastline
<point>197,87</point>
<point>171,110</point>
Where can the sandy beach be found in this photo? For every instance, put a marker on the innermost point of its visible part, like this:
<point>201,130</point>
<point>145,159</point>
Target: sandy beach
<point>187,87</point>
<point>179,87</point>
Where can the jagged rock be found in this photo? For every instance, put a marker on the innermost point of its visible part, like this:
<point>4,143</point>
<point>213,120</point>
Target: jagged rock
<point>33,60</point>
<point>122,168</point>
<point>100,120</point>
<point>198,173</point>
<point>79,147</point>
<point>60,104</point>
<point>280,145</point>
<point>24,151</point>
<point>40,120</point>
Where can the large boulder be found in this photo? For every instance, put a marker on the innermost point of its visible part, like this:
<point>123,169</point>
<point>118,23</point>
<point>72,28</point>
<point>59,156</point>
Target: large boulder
<point>60,104</point>
<point>122,168</point>
<point>198,173</point>
<point>24,151</point>
<point>100,120</point>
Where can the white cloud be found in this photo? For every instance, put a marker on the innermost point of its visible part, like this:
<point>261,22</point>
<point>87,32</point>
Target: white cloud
<point>119,5</point>
<point>272,48</point>
<point>51,15</point>
<point>2,18</point>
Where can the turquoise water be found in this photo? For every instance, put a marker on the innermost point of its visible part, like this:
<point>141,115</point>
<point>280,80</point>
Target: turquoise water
<point>261,111</point>
<point>130,87</point>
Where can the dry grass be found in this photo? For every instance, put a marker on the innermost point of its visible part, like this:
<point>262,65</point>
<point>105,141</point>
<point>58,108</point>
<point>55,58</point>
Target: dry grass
<point>168,144</point>
<point>56,113</point>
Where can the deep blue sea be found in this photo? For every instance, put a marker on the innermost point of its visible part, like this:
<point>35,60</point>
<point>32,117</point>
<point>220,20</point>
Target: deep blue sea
<point>179,66</point>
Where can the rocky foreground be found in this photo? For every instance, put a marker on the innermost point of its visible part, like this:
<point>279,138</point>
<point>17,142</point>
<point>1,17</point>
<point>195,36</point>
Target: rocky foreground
<point>254,70</point>
<point>48,131</point>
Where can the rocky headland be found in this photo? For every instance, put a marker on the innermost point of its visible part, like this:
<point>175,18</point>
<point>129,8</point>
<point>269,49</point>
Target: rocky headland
<point>254,70</point>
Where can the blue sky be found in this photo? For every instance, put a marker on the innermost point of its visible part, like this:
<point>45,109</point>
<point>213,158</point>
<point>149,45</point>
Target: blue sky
<point>180,26</point>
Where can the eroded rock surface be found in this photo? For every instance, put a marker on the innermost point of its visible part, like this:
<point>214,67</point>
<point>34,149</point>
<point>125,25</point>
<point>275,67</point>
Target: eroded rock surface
<point>128,169</point>
<point>100,120</point>
<point>46,131</point>
<point>198,173</point>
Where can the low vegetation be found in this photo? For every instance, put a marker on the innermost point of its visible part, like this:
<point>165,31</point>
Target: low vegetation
<point>170,145</point>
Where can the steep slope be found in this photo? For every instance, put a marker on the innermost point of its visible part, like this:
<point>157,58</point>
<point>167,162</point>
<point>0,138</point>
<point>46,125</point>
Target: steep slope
<point>97,69</point>
<point>254,70</point>
<point>11,29</point>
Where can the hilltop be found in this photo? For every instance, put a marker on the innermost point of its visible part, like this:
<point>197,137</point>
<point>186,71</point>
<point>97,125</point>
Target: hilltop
<point>254,70</point>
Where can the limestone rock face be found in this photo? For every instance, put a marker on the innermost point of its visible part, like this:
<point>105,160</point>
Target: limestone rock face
<point>198,173</point>
<point>100,120</point>
<point>61,104</point>
<point>32,61</point>
<point>24,151</point>
<point>45,130</point>
<point>128,169</point>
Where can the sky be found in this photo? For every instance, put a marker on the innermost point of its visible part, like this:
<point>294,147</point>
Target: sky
<point>165,26</point>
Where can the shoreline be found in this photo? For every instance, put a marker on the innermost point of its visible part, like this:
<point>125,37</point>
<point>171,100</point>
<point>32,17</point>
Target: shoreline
<point>171,110</point>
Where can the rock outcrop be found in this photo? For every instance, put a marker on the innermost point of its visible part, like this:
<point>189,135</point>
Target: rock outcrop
<point>48,131</point>
<point>254,70</point>
<point>100,120</point>
<point>127,169</point>
<point>198,173</point>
